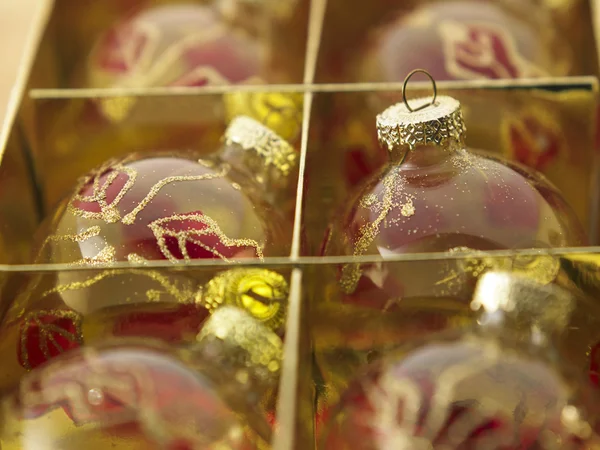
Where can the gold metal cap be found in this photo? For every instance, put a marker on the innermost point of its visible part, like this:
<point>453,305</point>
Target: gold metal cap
<point>527,301</point>
<point>439,123</point>
<point>237,345</point>
<point>260,292</point>
<point>268,155</point>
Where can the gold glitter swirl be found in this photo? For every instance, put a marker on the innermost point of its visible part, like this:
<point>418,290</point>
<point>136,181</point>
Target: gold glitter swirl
<point>47,331</point>
<point>108,212</point>
<point>154,190</point>
<point>183,295</point>
<point>79,237</point>
<point>392,183</point>
<point>253,136</point>
<point>134,258</point>
<point>211,227</point>
<point>262,293</point>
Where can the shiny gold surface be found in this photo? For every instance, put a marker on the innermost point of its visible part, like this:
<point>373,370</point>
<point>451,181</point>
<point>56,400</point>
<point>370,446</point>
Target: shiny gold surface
<point>68,132</point>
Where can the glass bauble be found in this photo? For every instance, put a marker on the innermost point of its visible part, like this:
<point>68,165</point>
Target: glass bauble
<point>500,384</point>
<point>465,40</point>
<point>436,195</point>
<point>179,44</point>
<point>174,206</point>
<point>144,395</point>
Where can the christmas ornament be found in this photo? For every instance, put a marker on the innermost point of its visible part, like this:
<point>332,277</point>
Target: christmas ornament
<point>186,44</point>
<point>196,45</point>
<point>133,394</point>
<point>466,40</point>
<point>437,196</point>
<point>176,207</point>
<point>499,384</point>
<point>49,319</point>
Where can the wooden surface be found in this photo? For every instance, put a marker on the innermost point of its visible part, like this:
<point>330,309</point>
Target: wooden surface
<point>16,21</point>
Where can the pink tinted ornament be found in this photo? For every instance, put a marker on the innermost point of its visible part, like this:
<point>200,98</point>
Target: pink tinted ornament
<point>497,385</point>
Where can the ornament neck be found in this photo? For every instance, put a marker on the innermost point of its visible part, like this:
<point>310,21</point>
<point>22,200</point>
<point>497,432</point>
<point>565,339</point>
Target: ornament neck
<point>237,349</point>
<point>259,153</point>
<point>424,155</point>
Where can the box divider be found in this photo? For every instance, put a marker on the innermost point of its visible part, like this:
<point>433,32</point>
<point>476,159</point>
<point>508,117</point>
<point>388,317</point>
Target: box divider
<point>287,405</point>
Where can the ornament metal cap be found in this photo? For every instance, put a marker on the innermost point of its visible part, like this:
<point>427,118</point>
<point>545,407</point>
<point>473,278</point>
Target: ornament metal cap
<point>262,293</point>
<point>273,153</point>
<point>239,346</point>
<point>547,306</point>
<point>431,120</point>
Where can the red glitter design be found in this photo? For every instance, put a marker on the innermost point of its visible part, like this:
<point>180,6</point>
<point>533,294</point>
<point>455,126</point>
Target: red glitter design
<point>45,335</point>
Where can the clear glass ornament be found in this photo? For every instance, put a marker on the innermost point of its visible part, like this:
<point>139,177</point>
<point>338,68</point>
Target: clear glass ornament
<point>436,195</point>
<point>51,317</point>
<point>187,44</point>
<point>466,40</point>
<point>171,205</point>
<point>132,394</point>
<point>499,384</point>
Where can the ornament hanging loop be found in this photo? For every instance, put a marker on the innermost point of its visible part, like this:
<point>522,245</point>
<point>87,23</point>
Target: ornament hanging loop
<point>407,79</point>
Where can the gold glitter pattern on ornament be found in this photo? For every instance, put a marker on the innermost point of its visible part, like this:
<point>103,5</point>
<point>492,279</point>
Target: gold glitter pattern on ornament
<point>439,124</point>
<point>106,256</point>
<point>243,342</point>
<point>253,136</point>
<point>80,237</point>
<point>108,212</point>
<point>183,295</point>
<point>261,292</point>
<point>393,196</point>
<point>47,333</point>
<point>280,112</point>
<point>476,50</point>
<point>154,190</point>
<point>210,227</point>
<point>408,209</point>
